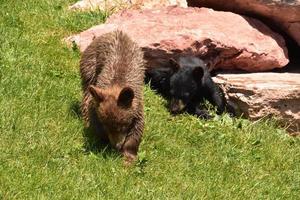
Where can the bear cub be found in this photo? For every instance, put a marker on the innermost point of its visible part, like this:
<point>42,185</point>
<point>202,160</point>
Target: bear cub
<point>186,82</point>
<point>112,71</point>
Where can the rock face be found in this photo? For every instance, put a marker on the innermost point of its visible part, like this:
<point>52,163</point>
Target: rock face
<point>240,43</point>
<point>258,95</point>
<point>284,13</point>
<point>115,5</point>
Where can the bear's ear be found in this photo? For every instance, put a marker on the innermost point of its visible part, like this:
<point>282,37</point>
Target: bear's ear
<point>198,73</point>
<point>174,64</point>
<point>125,97</point>
<point>96,93</point>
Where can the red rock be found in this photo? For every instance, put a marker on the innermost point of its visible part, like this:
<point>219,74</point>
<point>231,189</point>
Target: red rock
<point>223,39</point>
<point>285,14</point>
<point>258,95</point>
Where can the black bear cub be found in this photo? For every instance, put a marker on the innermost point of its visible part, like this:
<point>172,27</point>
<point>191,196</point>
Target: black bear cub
<point>186,83</point>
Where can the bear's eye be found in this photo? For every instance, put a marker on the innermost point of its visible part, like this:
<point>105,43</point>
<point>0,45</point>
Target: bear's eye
<point>186,94</point>
<point>172,92</point>
<point>162,80</point>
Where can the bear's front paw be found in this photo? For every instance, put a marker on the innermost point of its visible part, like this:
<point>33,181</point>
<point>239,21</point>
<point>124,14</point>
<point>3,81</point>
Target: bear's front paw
<point>203,114</point>
<point>129,159</point>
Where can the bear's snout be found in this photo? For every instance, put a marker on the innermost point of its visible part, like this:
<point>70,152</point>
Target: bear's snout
<point>176,106</point>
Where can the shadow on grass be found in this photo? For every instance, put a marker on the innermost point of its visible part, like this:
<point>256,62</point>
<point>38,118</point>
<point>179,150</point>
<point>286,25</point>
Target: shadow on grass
<point>74,109</point>
<point>94,141</point>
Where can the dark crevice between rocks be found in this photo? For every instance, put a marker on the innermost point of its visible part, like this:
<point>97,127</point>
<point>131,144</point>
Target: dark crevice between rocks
<point>294,56</point>
<point>293,48</point>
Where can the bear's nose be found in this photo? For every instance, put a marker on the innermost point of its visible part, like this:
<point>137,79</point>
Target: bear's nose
<point>119,147</point>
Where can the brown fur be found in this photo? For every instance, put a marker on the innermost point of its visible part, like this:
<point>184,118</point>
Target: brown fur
<point>111,65</point>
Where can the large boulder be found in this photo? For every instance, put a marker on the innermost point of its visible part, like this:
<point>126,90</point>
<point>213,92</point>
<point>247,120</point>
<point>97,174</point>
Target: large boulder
<point>285,14</point>
<point>259,95</point>
<point>223,39</point>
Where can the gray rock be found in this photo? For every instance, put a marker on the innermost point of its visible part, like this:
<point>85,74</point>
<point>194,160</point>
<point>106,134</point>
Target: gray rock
<point>258,95</point>
<point>115,5</point>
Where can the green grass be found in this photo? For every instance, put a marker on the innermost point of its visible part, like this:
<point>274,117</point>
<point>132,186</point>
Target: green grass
<point>45,154</point>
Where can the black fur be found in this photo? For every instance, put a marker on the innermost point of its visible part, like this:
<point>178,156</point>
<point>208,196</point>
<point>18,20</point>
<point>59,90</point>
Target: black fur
<point>159,79</point>
<point>186,83</point>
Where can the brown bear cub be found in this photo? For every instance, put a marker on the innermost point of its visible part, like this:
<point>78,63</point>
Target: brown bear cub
<point>112,71</point>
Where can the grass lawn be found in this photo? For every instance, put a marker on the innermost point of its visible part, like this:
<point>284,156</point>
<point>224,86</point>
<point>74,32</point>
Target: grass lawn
<point>45,154</point>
